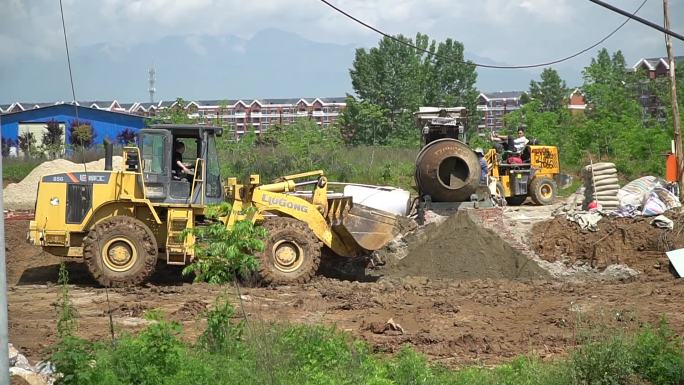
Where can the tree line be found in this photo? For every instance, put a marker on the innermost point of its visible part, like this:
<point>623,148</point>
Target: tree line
<point>392,80</point>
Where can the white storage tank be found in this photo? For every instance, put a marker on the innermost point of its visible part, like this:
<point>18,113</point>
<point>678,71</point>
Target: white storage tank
<point>389,199</point>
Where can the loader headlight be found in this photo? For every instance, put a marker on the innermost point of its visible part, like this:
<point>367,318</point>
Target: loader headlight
<point>54,201</point>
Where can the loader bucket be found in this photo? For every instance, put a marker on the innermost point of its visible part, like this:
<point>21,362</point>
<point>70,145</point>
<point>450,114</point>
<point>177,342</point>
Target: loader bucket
<point>370,229</point>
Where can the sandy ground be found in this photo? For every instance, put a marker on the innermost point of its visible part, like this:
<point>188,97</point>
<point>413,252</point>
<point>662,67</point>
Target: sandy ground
<point>453,321</point>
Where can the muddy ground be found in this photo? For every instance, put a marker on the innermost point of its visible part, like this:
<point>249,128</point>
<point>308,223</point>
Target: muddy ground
<point>453,321</point>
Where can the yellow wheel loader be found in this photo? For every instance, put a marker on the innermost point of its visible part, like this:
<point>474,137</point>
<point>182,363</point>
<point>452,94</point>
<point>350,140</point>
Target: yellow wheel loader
<point>538,176</point>
<point>120,223</point>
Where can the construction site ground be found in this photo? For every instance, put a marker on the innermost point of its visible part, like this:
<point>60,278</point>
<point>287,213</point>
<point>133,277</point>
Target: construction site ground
<point>479,315</point>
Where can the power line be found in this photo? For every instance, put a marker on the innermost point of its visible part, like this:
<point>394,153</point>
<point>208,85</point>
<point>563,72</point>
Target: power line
<point>73,89</point>
<point>522,66</point>
<point>639,19</point>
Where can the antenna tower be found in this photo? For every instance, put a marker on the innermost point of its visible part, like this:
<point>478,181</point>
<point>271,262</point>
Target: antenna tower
<point>152,89</point>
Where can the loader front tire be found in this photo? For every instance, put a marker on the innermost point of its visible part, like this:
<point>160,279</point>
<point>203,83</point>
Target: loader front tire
<point>543,191</point>
<point>292,253</point>
<point>120,251</point>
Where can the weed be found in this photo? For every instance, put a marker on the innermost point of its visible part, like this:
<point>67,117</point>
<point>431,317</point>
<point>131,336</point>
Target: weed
<point>221,335</point>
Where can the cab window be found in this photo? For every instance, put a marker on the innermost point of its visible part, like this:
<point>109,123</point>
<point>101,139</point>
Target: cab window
<point>213,188</point>
<point>153,153</point>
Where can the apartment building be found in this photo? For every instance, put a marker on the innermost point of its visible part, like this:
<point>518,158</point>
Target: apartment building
<point>654,69</point>
<point>238,115</point>
<point>494,105</point>
<point>577,103</point>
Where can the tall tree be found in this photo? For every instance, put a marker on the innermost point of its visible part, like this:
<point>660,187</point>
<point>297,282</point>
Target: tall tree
<point>394,79</point>
<point>551,91</point>
<point>391,75</point>
<point>450,82</point>
<point>616,127</point>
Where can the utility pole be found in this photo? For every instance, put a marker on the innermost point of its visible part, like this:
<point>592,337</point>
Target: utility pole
<point>4,334</point>
<point>675,104</point>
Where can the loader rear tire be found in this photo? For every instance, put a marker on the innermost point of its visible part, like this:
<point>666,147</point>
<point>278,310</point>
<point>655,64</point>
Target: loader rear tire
<point>292,253</point>
<point>120,251</point>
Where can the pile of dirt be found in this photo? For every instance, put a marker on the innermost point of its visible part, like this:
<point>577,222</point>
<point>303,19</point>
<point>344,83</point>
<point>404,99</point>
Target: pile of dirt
<point>633,242</point>
<point>22,195</point>
<point>456,248</point>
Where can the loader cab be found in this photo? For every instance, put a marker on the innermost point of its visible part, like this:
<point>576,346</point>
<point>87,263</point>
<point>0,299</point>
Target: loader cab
<point>162,184</point>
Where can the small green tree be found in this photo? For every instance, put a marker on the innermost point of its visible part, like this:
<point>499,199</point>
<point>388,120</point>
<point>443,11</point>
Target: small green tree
<point>221,254</point>
<point>551,91</point>
<point>82,134</point>
<point>27,144</point>
<point>53,139</point>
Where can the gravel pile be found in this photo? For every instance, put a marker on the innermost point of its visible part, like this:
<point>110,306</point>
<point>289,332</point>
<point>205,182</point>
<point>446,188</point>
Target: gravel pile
<point>22,195</point>
<point>456,248</point>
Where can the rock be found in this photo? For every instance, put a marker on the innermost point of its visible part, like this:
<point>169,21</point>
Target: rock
<point>620,272</point>
<point>45,368</point>
<point>30,377</point>
<point>134,321</point>
<point>17,359</point>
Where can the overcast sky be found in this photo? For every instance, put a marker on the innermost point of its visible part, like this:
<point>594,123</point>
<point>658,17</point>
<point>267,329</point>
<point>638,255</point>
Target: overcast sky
<point>503,31</point>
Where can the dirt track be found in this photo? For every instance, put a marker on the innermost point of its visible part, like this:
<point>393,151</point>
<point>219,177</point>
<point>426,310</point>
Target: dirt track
<point>453,321</point>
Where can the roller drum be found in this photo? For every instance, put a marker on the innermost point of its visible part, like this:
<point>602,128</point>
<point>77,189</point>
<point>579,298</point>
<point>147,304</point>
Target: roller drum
<point>447,170</point>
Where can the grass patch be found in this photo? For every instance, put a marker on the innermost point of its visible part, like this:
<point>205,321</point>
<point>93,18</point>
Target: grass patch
<point>14,170</point>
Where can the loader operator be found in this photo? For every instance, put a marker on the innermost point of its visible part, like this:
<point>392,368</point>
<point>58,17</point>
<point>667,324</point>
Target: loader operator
<point>508,143</point>
<point>179,168</point>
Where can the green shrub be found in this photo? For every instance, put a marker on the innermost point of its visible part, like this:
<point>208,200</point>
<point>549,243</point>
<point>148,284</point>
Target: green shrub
<point>602,362</point>
<point>221,254</point>
<point>657,355</point>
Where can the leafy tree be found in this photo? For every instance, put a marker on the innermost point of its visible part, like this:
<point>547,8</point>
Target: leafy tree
<point>126,137</point>
<point>392,80</point>
<point>551,91</point>
<point>27,144</point>
<point>81,134</point>
<point>52,142</point>
<point>364,123</point>
<point>391,75</point>
<point>451,83</point>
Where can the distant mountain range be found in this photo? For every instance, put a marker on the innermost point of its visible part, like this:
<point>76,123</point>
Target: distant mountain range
<point>271,64</point>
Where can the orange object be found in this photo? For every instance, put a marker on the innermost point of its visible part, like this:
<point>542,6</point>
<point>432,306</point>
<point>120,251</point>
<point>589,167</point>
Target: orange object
<point>671,168</point>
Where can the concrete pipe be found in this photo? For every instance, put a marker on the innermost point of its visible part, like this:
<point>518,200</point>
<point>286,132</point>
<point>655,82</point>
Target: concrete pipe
<point>447,170</point>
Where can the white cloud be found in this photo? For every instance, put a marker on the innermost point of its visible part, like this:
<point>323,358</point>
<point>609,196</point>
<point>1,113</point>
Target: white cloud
<point>506,31</point>
<point>549,10</point>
